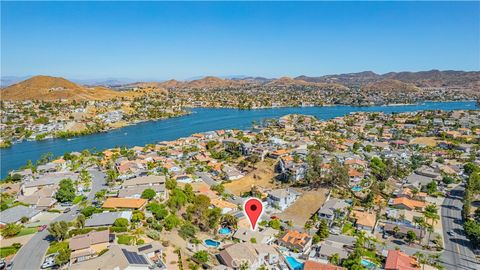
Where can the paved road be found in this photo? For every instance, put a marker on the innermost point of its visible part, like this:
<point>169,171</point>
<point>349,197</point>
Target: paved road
<point>30,256</point>
<point>457,254</point>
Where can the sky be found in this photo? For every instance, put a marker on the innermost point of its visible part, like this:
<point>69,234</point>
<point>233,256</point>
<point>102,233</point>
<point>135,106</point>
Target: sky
<point>163,40</point>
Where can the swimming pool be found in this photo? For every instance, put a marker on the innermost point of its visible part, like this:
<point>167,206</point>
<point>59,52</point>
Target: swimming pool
<point>356,188</point>
<point>224,230</point>
<point>294,264</point>
<point>368,264</point>
<point>212,243</point>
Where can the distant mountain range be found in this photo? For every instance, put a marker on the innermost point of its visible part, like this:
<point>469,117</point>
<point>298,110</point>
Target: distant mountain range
<point>48,88</point>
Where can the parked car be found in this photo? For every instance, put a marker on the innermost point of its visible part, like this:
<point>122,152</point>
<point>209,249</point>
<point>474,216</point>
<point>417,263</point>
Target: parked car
<point>65,204</point>
<point>451,233</point>
<point>67,210</point>
<point>41,228</point>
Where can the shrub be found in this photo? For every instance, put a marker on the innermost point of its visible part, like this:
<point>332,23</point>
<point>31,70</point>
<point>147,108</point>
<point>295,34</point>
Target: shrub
<point>118,229</point>
<point>121,222</point>
<point>153,235</point>
<point>201,256</point>
<point>124,239</point>
<point>103,251</point>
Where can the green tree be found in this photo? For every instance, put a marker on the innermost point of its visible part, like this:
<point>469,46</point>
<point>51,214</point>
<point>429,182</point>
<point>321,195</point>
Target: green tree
<point>274,224</point>
<point>171,221</point>
<point>148,194</point>
<point>80,221</point>
<point>137,216</point>
<point>11,229</point>
<point>121,222</point>
<point>158,210</point>
<point>59,230</point>
<point>411,237</point>
<point>187,230</point>
<point>63,256</point>
<point>334,259</point>
<point>431,213</point>
<point>201,256</point>
<point>66,191</point>
<point>323,230</point>
<point>177,199</point>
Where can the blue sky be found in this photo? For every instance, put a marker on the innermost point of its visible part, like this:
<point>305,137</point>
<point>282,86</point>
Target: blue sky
<point>162,40</point>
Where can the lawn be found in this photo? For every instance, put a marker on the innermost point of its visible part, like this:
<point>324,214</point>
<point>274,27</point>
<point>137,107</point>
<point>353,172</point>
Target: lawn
<point>10,250</point>
<point>56,246</point>
<point>78,199</point>
<point>25,231</point>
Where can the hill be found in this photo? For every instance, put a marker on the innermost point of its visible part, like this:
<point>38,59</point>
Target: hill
<point>390,86</point>
<point>431,78</point>
<point>54,88</point>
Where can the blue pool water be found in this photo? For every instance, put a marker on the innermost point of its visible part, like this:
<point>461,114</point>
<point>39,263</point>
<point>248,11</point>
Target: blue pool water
<point>224,231</point>
<point>294,264</point>
<point>200,120</point>
<point>368,264</point>
<point>212,243</point>
<point>356,189</point>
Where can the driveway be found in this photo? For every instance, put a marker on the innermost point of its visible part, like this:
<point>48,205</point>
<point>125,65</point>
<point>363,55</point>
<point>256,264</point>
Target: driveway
<point>30,256</point>
<point>458,253</point>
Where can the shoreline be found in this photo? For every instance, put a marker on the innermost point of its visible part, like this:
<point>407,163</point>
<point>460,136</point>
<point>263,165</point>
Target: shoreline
<point>202,120</point>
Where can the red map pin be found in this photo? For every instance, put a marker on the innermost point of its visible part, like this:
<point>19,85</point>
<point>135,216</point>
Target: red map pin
<point>253,209</point>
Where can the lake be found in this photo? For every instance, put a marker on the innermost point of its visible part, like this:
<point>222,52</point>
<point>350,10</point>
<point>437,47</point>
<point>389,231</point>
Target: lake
<point>201,120</point>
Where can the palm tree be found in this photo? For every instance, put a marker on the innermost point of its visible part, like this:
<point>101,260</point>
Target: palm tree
<point>431,212</point>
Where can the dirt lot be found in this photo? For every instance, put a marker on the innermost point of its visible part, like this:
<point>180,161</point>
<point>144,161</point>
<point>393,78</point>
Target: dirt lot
<point>261,176</point>
<point>429,141</point>
<point>305,206</point>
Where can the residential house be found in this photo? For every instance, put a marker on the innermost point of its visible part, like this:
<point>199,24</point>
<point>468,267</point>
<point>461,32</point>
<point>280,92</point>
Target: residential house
<point>15,214</point>
<point>295,240</point>
<point>87,246</point>
<point>121,257</point>
<point>265,236</point>
<point>232,173</point>
<point>282,198</point>
<point>107,218</point>
<point>124,203</point>
<point>364,221</point>
<point>397,260</point>
<point>312,265</point>
<point>255,255</point>
<point>333,208</point>
<point>400,229</point>
<point>406,203</point>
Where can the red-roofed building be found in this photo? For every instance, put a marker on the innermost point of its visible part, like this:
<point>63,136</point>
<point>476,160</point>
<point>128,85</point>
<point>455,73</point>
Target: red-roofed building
<point>397,260</point>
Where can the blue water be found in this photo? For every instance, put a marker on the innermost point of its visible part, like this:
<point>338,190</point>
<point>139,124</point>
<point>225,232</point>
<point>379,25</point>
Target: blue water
<point>201,119</point>
<point>212,243</point>
<point>356,189</point>
<point>368,264</point>
<point>294,264</point>
<point>224,231</point>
